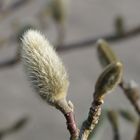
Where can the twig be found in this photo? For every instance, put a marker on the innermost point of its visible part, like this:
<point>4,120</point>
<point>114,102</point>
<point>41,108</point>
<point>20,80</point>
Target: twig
<point>96,134</point>
<point>132,94</point>
<point>92,120</point>
<point>106,82</point>
<point>13,7</point>
<point>12,61</point>
<point>138,133</point>
<point>113,119</point>
<point>111,38</point>
<point>84,44</point>
<point>107,56</point>
<point>128,116</point>
<point>67,110</point>
<point>17,126</point>
<point>60,34</point>
<point>16,39</point>
<point>119,25</point>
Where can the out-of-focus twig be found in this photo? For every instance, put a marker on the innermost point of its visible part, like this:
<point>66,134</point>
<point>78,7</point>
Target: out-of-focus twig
<point>11,62</point>
<point>14,128</point>
<point>57,10</point>
<point>91,121</point>
<point>138,133</point>
<point>14,6</point>
<point>113,119</point>
<point>132,93</point>
<point>111,38</point>
<point>127,115</point>
<point>119,25</point>
<point>61,32</point>
<point>106,82</point>
<point>84,44</point>
<point>16,59</point>
<point>96,134</point>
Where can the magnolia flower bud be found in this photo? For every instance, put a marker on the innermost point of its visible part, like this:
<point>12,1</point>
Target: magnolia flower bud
<point>108,80</point>
<point>43,67</point>
<point>105,53</point>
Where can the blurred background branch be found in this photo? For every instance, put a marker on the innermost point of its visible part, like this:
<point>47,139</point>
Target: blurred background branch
<point>111,38</point>
<point>21,123</point>
<point>7,10</point>
<point>113,119</point>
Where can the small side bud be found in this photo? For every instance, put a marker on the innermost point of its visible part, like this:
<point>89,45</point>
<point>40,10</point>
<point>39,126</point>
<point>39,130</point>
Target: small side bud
<point>58,10</point>
<point>108,80</point>
<point>105,53</point>
<point>119,25</point>
<point>44,68</point>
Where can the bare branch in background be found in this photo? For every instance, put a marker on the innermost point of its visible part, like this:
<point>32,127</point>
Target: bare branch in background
<point>132,93</point>
<point>16,39</point>
<point>127,115</point>
<point>138,133</point>
<point>11,62</point>
<point>111,38</point>
<point>14,128</point>
<point>82,44</point>
<point>113,119</point>
<point>14,6</point>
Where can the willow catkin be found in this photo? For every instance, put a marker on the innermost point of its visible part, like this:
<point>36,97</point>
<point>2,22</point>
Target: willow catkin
<point>43,67</point>
<point>59,9</point>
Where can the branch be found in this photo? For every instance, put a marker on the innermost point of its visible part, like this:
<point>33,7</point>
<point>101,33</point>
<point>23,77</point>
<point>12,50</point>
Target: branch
<point>14,128</point>
<point>67,110</point>
<point>111,38</point>
<point>138,133</point>
<point>106,82</point>
<point>83,44</point>
<point>132,93</point>
<point>92,120</point>
<point>11,62</point>
<point>128,116</point>
<point>12,7</point>
<point>113,119</point>
<point>107,56</point>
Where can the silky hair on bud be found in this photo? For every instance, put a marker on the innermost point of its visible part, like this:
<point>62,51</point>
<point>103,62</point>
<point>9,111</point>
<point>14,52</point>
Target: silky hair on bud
<point>43,67</point>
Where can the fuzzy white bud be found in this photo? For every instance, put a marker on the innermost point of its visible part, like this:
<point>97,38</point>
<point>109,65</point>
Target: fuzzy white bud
<point>43,67</point>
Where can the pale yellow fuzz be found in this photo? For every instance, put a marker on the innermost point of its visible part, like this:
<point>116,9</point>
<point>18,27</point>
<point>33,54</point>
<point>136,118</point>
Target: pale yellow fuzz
<point>43,67</point>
